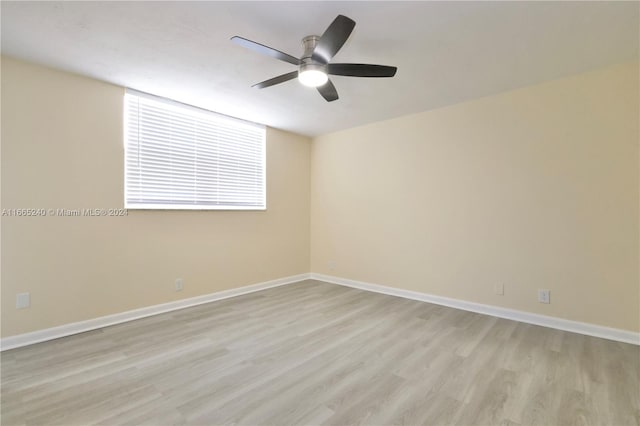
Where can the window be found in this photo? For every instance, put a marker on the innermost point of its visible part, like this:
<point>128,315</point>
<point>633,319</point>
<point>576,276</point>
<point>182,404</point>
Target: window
<point>182,157</point>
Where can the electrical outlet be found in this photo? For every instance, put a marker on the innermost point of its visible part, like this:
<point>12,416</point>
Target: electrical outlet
<point>499,289</point>
<point>332,264</point>
<point>179,284</point>
<point>544,296</point>
<point>23,300</point>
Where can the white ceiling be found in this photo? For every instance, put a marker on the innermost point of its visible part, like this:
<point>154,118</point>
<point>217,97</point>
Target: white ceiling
<point>446,52</point>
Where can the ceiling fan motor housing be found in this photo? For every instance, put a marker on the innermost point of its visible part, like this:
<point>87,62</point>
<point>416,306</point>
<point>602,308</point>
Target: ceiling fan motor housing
<point>306,62</point>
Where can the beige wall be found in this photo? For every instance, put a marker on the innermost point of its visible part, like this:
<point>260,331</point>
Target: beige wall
<point>62,148</point>
<point>534,188</point>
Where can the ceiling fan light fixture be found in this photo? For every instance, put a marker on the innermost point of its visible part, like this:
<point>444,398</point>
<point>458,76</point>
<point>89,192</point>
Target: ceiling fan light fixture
<point>313,75</point>
<point>312,78</point>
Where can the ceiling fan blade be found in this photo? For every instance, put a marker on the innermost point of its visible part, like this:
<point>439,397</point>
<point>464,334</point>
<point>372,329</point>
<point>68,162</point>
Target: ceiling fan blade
<point>328,91</point>
<point>276,80</point>
<point>362,70</point>
<point>265,50</point>
<point>333,39</point>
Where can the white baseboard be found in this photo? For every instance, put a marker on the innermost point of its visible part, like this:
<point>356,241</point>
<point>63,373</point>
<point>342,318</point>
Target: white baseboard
<point>95,323</point>
<point>527,317</point>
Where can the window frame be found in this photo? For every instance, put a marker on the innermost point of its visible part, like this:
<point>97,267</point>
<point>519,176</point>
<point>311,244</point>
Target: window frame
<point>182,107</point>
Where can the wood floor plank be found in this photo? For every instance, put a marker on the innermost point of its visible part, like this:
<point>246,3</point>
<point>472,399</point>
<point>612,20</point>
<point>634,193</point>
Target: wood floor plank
<point>317,353</point>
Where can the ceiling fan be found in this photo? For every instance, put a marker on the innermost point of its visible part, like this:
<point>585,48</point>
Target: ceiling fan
<point>314,65</point>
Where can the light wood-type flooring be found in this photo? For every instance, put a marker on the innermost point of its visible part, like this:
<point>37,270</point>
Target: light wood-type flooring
<point>317,353</point>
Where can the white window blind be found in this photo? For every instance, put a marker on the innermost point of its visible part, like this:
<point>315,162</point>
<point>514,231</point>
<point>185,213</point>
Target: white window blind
<point>181,157</point>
